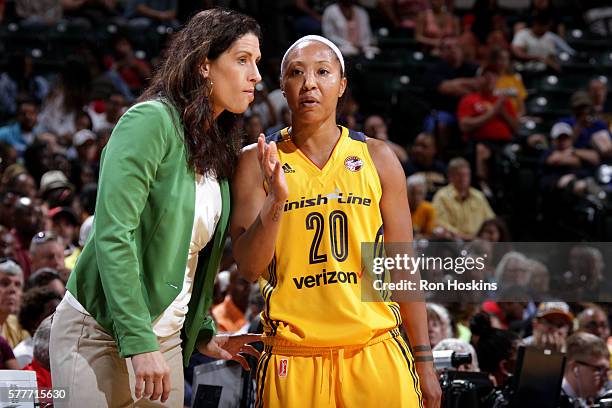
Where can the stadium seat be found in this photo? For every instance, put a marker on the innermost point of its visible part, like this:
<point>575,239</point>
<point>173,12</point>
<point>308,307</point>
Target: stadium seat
<point>585,41</point>
<point>531,127</point>
<point>547,106</point>
<point>565,84</point>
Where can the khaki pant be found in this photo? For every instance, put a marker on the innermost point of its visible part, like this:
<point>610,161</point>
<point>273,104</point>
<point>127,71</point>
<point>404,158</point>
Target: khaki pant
<point>85,361</point>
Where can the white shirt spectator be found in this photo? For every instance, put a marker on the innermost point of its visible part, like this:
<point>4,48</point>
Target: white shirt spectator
<point>24,352</point>
<point>352,36</point>
<point>543,46</point>
<point>54,119</point>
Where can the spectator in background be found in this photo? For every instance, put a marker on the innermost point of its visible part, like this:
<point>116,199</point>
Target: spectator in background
<point>38,157</point>
<point>68,97</point>
<point>487,28</point>
<point>438,323</point>
<point>598,91</point>
<point>105,81</point>
<point>539,279</point>
<point>11,283</point>
<point>488,121</point>
<point>494,230</point>
<point>8,200</point>
<point>134,71</point>
<point>7,243</point>
<point>87,200</point>
<point>38,303</point>
<point>20,83</point>
<point>435,23</point>
<point>447,82</point>
<point>586,370</point>
<point>84,141</point>
<point>308,15</point>
<point>551,327</point>
<point>509,315</point>
<point>591,133</point>
<point>230,314</point>
<point>28,220</point>
<point>509,83</point>
<point>512,270</point>
<point>46,278</point>
<point>34,13</point>
<point>83,121</point>
<point>460,208</point>
<point>55,189</point>
<point>536,45</point>
<point>422,211</point>
<point>375,127</point>
<point>424,160</point>
<point>496,349</point>
<point>348,26</point>
<point>285,121</point>
<point>460,346</point>
<point>40,361</point>
<point>17,180</point>
<point>65,224</point>
<point>586,273</point>
<point>253,128</point>
<point>541,7</point>
<point>21,133</point>
<point>92,12</point>
<point>144,13</point>
<point>8,156</point>
<point>348,112</point>
<point>47,251</point>
<point>565,167</point>
<point>262,105</point>
<point>594,320</point>
<point>114,106</point>
<point>403,14</point>
<point>597,16</point>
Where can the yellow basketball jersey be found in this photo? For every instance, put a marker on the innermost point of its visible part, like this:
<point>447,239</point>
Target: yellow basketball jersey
<point>313,291</point>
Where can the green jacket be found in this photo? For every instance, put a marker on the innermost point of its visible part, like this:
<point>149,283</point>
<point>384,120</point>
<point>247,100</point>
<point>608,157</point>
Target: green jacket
<point>133,265</point>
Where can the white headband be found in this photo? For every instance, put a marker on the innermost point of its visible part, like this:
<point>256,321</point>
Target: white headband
<point>313,38</point>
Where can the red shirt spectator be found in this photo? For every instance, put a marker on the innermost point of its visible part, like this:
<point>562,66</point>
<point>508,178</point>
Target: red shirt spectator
<point>43,376</point>
<point>495,128</point>
<point>484,116</point>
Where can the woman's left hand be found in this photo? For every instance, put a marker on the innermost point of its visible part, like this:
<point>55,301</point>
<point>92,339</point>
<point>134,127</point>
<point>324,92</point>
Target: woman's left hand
<point>231,347</point>
<point>430,386</point>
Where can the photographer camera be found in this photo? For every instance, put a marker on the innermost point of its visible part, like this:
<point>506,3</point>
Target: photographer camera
<point>586,372</point>
<point>497,353</point>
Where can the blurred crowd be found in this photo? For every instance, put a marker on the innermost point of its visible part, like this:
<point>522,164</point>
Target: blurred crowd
<point>480,125</point>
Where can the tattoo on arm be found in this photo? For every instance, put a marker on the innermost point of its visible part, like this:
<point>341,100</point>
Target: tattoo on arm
<point>276,212</point>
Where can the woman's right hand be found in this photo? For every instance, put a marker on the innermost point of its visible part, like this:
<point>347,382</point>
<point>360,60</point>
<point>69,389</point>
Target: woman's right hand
<point>271,170</point>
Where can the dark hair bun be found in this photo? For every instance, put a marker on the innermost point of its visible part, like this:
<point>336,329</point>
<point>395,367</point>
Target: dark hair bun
<point>480,324</point>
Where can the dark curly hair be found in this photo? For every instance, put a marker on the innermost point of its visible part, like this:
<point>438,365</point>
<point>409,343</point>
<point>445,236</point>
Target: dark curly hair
<point>34,307</point>
<point>212,145</point>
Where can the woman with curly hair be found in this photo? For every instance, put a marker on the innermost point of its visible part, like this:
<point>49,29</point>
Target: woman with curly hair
<point>136,302</point>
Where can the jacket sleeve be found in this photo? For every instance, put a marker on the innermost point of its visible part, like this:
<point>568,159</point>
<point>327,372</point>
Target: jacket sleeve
<point>133,154</point>
<point>207,330</point>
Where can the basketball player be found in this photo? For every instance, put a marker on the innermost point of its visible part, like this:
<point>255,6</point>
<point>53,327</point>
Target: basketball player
<point>304,203</point>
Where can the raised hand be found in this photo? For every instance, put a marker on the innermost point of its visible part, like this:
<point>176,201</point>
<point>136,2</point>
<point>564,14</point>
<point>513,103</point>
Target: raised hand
<point>271,169</point>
